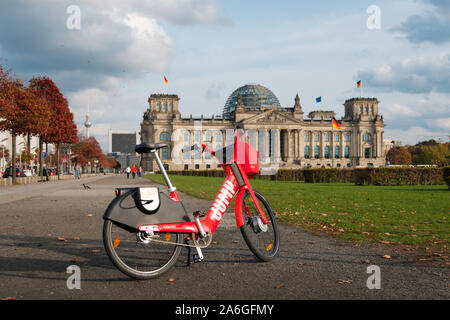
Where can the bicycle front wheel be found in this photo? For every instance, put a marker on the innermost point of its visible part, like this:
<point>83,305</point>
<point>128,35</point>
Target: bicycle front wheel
<point>262,240</point>
<point>137,255</point>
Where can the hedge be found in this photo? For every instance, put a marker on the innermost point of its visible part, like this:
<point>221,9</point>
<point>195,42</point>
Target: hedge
<point>399,176</point>
<point>360,176</point>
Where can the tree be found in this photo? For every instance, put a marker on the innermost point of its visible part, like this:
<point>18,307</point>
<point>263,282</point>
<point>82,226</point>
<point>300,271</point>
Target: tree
<point>86,151</point>
<point>431,154</point>
<point>63,129</point>
<point>399,156</point>
<point>21,111</point>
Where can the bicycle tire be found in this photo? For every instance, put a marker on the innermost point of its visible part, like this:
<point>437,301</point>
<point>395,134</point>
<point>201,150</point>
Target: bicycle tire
<point>118,258</point>
<point>264,245</point>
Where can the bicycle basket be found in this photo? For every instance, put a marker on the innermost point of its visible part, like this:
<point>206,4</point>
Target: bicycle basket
<point>247,157</point>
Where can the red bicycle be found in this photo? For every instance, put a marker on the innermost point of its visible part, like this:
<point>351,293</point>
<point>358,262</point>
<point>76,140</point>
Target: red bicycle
<point>145,229</point>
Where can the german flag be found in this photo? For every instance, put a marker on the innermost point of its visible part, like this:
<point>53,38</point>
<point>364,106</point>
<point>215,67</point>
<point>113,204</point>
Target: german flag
<point>165,80</point>
<point>336,124</point>
<point>358,84</point>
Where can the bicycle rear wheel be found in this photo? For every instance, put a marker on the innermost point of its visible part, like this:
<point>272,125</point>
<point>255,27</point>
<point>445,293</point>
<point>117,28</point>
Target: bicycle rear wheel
<point>262,240</point>
<point>136,255</point>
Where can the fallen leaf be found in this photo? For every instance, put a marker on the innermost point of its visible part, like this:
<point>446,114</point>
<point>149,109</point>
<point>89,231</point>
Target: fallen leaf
<point>89,214</point>
<point>76,238</point>
<point>9,298</point>
<point>171,279</point>
<point>95,250</point>
<point>386,256</point>
<point>345,281</point>
<point>279,286</point>
<point>61,239</point>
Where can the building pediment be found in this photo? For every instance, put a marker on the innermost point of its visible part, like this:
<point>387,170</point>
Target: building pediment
<point>271,117</point>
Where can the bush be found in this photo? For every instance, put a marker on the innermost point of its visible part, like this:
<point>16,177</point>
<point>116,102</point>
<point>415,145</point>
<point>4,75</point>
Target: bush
<point>446,175</point>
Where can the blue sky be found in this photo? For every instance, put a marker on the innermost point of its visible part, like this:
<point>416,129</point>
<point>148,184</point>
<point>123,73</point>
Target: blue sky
<point>207,49</point>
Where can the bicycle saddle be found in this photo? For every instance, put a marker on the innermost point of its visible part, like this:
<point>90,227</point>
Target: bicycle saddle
<point>146,147</point>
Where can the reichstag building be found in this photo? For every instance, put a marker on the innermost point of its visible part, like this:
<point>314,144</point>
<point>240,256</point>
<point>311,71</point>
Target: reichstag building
<point>284,137</point>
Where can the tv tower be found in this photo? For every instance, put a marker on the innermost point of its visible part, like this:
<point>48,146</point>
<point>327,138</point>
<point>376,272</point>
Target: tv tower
<point>87,123</point>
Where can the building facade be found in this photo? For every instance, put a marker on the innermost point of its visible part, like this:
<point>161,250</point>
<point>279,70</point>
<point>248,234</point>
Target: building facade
<point>283,136</point>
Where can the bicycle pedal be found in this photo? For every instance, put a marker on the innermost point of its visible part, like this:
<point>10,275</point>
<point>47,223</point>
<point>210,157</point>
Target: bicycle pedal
<point>197,258</point>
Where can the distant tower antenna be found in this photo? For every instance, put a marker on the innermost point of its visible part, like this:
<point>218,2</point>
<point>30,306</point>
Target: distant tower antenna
<point>87,123</point>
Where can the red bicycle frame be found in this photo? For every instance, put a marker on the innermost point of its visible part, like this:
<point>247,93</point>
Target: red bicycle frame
<point>229,189</point>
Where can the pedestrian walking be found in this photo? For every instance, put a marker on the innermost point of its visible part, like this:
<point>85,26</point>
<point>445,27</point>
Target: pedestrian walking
<point>128,170</point>
<point>133,171</point>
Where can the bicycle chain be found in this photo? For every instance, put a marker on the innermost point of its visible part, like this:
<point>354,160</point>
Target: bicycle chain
<point>187,245</point>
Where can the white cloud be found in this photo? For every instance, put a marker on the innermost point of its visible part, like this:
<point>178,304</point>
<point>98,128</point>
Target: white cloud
<point>439,123</point>
<point>414,134</point>
<point>394,111</point>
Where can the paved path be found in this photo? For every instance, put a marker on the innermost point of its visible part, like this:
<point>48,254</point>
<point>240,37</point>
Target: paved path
<point>33,262</point>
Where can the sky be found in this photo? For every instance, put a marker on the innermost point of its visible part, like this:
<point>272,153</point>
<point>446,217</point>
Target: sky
<point>113,54</point>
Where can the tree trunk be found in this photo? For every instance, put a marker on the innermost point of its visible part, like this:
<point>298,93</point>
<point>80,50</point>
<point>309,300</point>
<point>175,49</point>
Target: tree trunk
<point>13,155</point>
<point>41,160</point>
<point>57,160</point>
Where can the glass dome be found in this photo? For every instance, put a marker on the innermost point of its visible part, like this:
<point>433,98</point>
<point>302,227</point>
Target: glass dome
<point>254,96</point>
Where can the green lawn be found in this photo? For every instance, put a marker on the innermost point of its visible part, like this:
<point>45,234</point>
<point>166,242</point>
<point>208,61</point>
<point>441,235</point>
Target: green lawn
<point>408,215</point>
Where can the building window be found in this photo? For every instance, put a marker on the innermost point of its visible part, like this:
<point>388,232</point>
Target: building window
<point>186,137</point>
<point>337,152</point>
<point>366,137</point>
<point>230,135</point>
<point>347,137</point>
<point>164,108</point>
<point>327,137</point>
<point>208,136</point>
<point>367,152</point>
<point>165,153</point>
<point>316,137</point>
<point>158,106</point>
<point>360,109</point>
<point>171,107</point>
<point>166,166</point>
<point>347,152</point>
<point>316,152</point>
<point>186,167</point>
<point>164,136</point>
<point>327,152</point>
<point>197,166</point>
<point>338,138</point>
<point>186,152</point>
<point>307,137</point>
<point>208,166</point>
<point>367,109</point>
<point>371,109</point>
<point>307,152</point>
<point>197,137</point>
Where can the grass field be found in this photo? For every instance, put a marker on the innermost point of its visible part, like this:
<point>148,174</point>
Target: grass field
<point>416,216</point>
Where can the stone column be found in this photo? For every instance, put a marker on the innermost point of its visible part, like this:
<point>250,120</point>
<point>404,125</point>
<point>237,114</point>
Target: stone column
<point>275,141</point>
<point>289,144</point>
